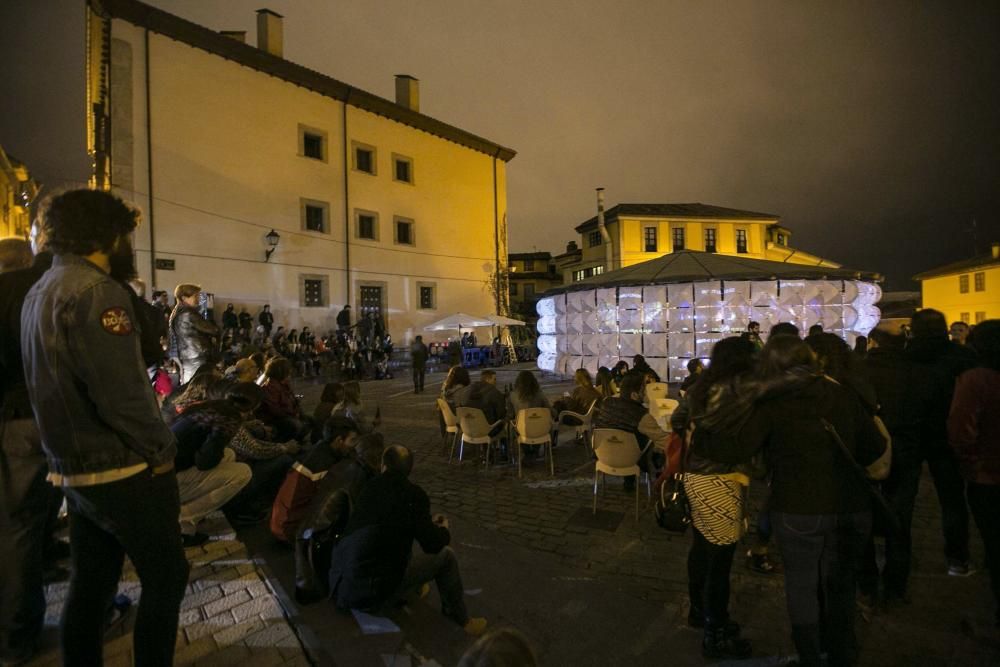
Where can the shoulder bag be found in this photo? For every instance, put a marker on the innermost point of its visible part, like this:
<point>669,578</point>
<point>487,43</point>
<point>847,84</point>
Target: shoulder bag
<point>673,510</point>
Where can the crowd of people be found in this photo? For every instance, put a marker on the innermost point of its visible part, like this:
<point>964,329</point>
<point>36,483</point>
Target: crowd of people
<point>142,453</point>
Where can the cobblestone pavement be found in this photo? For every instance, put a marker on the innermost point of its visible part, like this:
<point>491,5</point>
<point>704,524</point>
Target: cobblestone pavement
<point>230,613</point>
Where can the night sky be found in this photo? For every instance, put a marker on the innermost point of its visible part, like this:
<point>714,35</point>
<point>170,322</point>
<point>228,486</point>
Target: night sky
<point>872,128</point>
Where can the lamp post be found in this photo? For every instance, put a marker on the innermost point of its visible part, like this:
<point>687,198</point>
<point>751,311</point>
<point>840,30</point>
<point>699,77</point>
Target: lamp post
<point>272,241</point>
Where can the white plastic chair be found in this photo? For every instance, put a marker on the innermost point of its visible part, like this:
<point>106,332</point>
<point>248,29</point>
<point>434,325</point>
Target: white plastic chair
<point>583,428</point>
<point>661,409</point>
<point>476,431</point>
<point>618,454</point>
<point>655,390</point>
<point>534,427</point>
<point>450,424</point>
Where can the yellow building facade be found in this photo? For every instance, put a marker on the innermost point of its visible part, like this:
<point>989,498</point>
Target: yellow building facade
<point>966,291</point>
<point>17,190</point>
<point>529,274</point>
<point>641,232</point>
<point>220,142</point>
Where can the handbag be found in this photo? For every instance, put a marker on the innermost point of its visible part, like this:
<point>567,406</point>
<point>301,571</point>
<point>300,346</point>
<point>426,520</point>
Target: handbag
<point>673,510</point>
<point>882,509</point>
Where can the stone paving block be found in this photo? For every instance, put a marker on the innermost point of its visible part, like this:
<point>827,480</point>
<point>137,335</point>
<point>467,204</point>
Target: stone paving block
<point>262,607</point>
<point>227,655</point>
<point>196,650</point>
<point>224,604</point>
<point>278,635</point>
<point>236,633</point>
<point>201,598</point>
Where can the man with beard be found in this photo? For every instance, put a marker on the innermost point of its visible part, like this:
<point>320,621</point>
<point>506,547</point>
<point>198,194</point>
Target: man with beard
<point>100,426</point>
<point>192,336</point>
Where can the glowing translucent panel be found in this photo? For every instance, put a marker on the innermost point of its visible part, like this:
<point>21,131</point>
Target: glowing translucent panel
<point>562,324</point>
<point>574,302</point>
<point>735,318</point>
<point>591,364</point>
<point>607,319</point>
<point>705,342</point>
<point>591,321</point>
<point>607,297</point>
<point>546,307</point>
<point>763,293</point>
<point>574,323</point>
<point>681,345</point>
<point>680,295</point>
<point>833,318</point>
<point>708,294</point>
<point>677,369</point>
<point>546,324</point>
<point>708,318</point>
<point>654,317</point>
<point>736,293</point>
<point>547,361</point>
<point>868,317</point>
<point>790,293</point>
<point>630,320</point>
<point>629,344</point>
<point>575,344</point>
<point>654,345</point>
<point>661,367</point>
<point>868,294</point>
<point>654,294</point>
<point>630,297</point>
<point>850,292</point>
<point>548,344</point>
<point>681,320</point>
<point>562,344</point>
<point>609,357</point>
<point>592,344</point>
<point>850,317</point>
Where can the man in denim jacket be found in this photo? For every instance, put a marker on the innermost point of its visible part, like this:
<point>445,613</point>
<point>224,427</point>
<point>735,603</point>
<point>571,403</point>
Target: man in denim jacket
<point>103,438</point>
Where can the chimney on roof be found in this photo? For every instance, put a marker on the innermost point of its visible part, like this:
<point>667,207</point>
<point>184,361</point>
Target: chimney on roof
<point>238,35</point>
<point>408,92</point>
<point>269,32</point>
<point>571,246</point>
<point>995,248</point>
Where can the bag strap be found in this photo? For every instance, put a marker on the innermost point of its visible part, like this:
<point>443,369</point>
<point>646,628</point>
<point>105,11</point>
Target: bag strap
<point>846,452</point>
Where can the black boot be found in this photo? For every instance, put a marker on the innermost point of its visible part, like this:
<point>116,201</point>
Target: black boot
<point>723,644</point>
<point>807,643</point>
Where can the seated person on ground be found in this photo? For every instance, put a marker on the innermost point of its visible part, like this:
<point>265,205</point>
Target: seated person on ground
<point>280,409</point>
<point>375,564</point>
<point>352,407</point>
<point>326,518</point>
<point>300,485</point>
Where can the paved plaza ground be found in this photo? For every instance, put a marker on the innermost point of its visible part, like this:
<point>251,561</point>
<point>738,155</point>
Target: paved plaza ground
<point>611,591</point>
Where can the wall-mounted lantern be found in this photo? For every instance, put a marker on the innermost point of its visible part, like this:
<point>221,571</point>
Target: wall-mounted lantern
<point>272,241</point>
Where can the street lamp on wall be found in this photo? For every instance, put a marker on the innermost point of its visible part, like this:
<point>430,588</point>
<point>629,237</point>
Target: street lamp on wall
<point>272,241</point>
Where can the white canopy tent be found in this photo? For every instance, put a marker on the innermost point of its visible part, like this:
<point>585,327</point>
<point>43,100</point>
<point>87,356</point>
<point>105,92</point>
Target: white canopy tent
<point>501,321</point>
<point>458,322</point>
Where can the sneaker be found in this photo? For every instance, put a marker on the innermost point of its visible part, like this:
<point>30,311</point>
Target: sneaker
<point>475,626</point>
<point>193,540</point>
<point>761,563</point>
<point>957,568</point>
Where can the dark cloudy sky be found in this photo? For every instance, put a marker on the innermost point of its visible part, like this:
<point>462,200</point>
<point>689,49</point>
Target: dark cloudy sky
<point>871,127</point>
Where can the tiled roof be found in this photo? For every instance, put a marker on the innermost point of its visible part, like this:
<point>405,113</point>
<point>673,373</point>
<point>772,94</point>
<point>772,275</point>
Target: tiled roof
<point>696,210</point>
<point>962,266</point>
<point>203,38</point>
<point>528,255</point>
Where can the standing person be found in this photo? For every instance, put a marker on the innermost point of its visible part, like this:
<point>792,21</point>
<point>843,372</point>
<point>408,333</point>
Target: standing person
<point>266,319</point>
<point>958,332</point>
<point>26,499</point>
<point>344,318</point>
<point>418,357</point>
<point>753,335</point>
<point>819,506</point>
<point>375,562</point>
<point>943,361</point>
<point>161,301</point>
<point>245,321</point>
<point>192,336</point>
<point>101,430</point>
<point>230,320</point>
<point>974,434</point>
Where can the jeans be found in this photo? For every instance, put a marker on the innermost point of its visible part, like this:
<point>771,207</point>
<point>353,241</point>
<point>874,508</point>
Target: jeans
<point>442,568</point>
<point>984,499</point>
<point>204,491</point>
<point>900,489</point>
<point>135,516</point>
<point>26,504</point>
<point>418,378</point>
<point>950,489</point>
<point>709,566</point>
<point>820,554</point>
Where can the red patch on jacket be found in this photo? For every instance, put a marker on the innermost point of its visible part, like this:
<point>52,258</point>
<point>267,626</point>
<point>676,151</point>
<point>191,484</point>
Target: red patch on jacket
<point>116,321</point>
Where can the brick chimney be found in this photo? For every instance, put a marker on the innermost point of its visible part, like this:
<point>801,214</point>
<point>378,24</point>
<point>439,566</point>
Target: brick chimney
<point>408,92</point>
<point>269,32</point>
<point>238,35</point>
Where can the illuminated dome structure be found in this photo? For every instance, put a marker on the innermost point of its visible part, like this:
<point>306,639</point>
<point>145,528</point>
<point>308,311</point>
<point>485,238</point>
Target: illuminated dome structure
<point>674,308</point>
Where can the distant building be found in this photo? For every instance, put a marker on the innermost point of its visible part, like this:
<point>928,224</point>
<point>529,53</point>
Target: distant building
<point>966,291</point>
<point>641,232</point>
<point>17,190</point>
<point>529,274</point>
<point>220,142</point>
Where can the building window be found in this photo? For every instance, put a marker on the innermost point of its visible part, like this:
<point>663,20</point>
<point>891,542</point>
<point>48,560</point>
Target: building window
<point>781,239</point>
<point>710,239</point>
<point>980,282</point>
<point>741,241</point>
<point>428,296</point>
<point>366,225</point>
<point>313,291</point>
<point>404,231</point>
<point>598,270</point>
<point>364,158</point>
<point>529,291</point>
<point>963,284</point>
<point>677,236</point>
<point>649,239</point>
<point>513,289</point>
<point>980,316</point>
<point>964,317</point>
<point>529,265</point>
<point>594,239</point>
<point>312,143</point>
<point>315,215</point>
<point>578,275</point>
<point>402,168</point>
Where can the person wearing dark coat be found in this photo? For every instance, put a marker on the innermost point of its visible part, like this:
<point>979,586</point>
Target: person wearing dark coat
<point>230,320</point>
<point>418,358</point>
<point>266,319</point>
<point>374,563</point>
<point>943,361</point>
<point>485,396</point>
<point>193,338</point>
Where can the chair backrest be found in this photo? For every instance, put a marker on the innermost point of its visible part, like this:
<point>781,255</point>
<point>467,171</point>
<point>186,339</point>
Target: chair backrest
<point>616,448</point>
<point>473,422</point>
<point>655,390</point>
<point>664,405</point>
<point>450,419</point>
<point>534,422</point>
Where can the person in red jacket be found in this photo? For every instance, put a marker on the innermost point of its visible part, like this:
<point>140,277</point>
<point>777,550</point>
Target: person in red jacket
<point>974,434</point>
<point>301,483</point>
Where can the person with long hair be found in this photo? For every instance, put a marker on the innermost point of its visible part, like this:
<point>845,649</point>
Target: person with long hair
<point>974,434</point>
<point>584,396</point>
<point>456,380</point>
<point>352,407</point>
<point>717,493</point>
<point>279,409</point>
<point>820,507</point>
<point>605,383</point>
